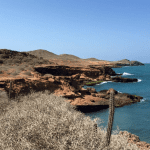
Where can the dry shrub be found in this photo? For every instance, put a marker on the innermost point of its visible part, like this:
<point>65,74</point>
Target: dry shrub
<point>14,73</point>
<point>45,121</point>
<point>1,61</point>
<point>21,68</point>
<point>27,73</point>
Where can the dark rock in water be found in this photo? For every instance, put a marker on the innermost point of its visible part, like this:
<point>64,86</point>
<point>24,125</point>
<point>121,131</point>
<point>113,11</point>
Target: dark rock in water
<point>120,79</point>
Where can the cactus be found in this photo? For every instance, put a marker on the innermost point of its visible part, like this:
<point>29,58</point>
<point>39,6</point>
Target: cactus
<point>10,89</point>
<point>95,129</point>
<point>111,117</point>
<point>68,144</point>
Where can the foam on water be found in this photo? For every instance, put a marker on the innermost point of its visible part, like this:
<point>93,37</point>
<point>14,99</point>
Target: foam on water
<point>127,74</point>
<point>119,92</point>
<point>104,82</point>
<point>142,100</point>
<point>139,80</point>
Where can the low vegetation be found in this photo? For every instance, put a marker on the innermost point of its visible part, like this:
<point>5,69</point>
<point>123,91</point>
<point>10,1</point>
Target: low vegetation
<point>43,121</point>
<point>94,82</point>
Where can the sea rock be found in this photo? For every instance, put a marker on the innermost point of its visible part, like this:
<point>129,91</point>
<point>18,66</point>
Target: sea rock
<point>120,79</point>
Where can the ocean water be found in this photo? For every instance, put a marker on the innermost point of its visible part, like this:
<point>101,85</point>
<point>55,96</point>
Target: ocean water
<point>134,118</point>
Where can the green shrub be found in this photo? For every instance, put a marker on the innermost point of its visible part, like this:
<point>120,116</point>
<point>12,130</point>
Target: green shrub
<point>94,82</point>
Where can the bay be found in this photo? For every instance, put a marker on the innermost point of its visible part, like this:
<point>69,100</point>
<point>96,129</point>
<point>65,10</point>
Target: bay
<point>134,118</point>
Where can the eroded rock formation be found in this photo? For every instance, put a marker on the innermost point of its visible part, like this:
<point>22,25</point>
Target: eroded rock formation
<point>68,82</point>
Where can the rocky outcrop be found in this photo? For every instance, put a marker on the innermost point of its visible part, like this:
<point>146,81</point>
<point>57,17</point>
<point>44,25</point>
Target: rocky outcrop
<point>92,100</point>
<point>68,82</point>
<point>120,79</point>
<point>136,63</point>
<point>134,139</point>
<point>61,70</point>
<point>126,62</point>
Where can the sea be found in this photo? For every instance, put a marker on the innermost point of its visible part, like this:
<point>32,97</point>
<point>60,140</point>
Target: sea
<point>134,118</point>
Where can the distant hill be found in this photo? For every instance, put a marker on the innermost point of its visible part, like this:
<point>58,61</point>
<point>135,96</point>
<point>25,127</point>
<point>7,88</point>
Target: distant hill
<point>49,55</point>
<point>68,57</point>
<point>92,59</point>
<point>43,53</point>
<point>126,62</point>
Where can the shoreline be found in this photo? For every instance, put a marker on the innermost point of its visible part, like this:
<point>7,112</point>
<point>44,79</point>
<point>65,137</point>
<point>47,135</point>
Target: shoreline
<point>28,72</point>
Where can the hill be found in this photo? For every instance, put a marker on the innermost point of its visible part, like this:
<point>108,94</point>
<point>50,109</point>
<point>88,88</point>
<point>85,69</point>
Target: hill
<point>126,62</point>
<point>68,57</point>
<point>43,53</point>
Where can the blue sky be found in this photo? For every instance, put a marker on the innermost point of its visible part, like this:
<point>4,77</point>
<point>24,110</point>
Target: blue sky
<point>103,29</point>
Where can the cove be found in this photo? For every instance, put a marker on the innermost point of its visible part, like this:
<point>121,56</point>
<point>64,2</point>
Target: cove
<point>133,118</point>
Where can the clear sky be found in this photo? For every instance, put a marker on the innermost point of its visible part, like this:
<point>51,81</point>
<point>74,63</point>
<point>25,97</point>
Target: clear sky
<point>103,29</point>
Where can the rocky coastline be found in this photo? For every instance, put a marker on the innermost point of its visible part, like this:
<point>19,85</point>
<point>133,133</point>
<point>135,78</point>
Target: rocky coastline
<point>66,81</point>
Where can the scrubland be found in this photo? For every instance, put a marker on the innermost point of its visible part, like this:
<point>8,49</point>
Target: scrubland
<point>43,121</point>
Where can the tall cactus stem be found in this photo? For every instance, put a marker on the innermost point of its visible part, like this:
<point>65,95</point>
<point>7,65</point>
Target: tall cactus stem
<point>111,117</point>
<point>95,129</point>
<point>10,89</point>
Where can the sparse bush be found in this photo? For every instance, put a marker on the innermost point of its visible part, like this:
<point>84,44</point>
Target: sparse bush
<point>27,60</point>
<point>5,56</point>
<point>14,73</point>
<point>21,68</point>
<point>27,73</point>
<point>16,61</point>
<point>1,61</point>
<point>45,121</point>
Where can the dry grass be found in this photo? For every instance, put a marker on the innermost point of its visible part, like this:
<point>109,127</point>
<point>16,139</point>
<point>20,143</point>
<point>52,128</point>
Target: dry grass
<point>43,121</point>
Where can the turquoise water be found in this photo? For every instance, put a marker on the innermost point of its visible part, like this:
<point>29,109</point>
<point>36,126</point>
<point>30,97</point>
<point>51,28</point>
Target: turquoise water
<point>133,118</point>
